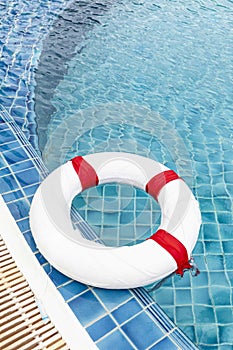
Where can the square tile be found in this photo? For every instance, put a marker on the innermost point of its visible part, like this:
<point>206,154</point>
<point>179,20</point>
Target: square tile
<point>113,298</point>
<point>72,289</point>
<point>135,330</point>
<point>101,327</point>
<point>126,311</point>
<point>115,341</point>
<point>87,308</point>
<point>165,344</point>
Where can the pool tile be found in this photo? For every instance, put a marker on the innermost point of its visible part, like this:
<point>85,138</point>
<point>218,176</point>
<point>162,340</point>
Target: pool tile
<point>204,314</point>
<point>228,246</point>
<point>11,196</point>
<point>8,183</point>
<point>25,164</point>
<point>207,334</point>
<point>101,327</point>
<point>126,311</point>
<point>136,332</point>
<point>165,344</point>
<point>87,308</point>
<point>184,314</point>
<point>19,208</point>
<point>165,296</point>
<point>56,276</point>
<point>113,298</point>
<point>115,341</point>
<point>218,278</point>
<point>24,224</point>
<point>26,177</point>
<point>72,289</point>
<point>226,334</point>
<point>213,247</point>
<point>210,231</point>
<point>201,296</point>
<point>183,297</point>
<point>40,258</point>
<point>9,145</point>
<point>15,156</point>
<point>30,240</point>
<point>221,295</point>
<point>224,315</point>
<point>216,262</point>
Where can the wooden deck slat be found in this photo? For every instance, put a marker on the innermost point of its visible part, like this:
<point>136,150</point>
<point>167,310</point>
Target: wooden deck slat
<point>21,325</point>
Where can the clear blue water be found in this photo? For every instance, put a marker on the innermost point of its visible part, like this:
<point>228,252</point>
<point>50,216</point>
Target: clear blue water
<point>156,79</point>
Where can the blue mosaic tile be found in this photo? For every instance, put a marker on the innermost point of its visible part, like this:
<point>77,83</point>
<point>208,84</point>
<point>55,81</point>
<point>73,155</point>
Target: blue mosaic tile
<point>40,258</point>
<point>115,341</point>
<point>165,297</point>
<point>201,296</point>
<point>15,156</point>
<point>72,289</point>
<point>30,240</point>
<point>10,145</point>
<point>226,231</point>
<point>30,190</point>
<point>204,314</point>
<point>5,171</point>
<point>165,344</point>
<point>87,308</point>
<point>126,311</point>
<point>224,315</point>
<point>113,298</point>
<point>183,297</point>
<point>218,278</point>
<point>228,261</point>
<point>184,314</point>
<point>7,184</point>
<point>24,165</point>
<point>207,334</point>
<point>221,295</point>
<point>26,177</point>
<point>213,247</point>
<point>24,224</point>
<point>56,276</point>
<point>153,333</point>
<point>19,208</point>
<point>216,262</point>
<point>101,327</point>
<point>12,196</point>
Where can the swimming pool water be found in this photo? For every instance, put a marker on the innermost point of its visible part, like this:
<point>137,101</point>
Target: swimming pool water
<point>156,79</point>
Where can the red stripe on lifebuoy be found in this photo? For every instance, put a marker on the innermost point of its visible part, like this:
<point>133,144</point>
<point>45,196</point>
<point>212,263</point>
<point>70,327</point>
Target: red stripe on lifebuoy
<point>85,172</point>
<point>175,248</point>
<point>157,182</point>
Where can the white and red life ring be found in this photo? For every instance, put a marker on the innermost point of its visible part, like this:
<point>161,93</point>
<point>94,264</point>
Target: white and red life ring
<point>166,251</point>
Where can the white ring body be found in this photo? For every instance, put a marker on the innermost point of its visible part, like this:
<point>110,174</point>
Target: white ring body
<point>111,267</point>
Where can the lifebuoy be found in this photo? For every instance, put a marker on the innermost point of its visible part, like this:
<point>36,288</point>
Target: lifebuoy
<point>166,251</point>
